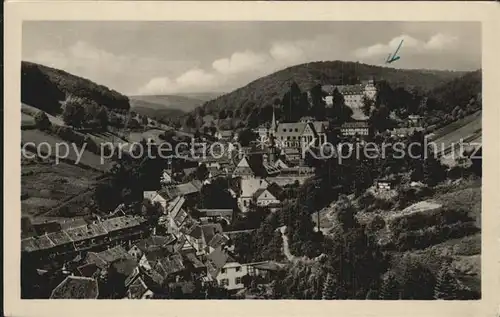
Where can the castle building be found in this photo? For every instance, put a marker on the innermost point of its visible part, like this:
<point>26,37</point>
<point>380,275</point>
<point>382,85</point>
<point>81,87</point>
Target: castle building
<point>353,96</point>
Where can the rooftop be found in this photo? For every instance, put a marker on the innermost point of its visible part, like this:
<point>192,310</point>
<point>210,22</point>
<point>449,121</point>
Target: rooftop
<point>76,287</point>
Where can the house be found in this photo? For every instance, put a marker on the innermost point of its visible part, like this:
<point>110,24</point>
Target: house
<point>386,183</point>
<point>151,243</point>
<point>98,234</point>
<point>105,258</point>
<point>263,198</point>
<point>215,215</point>
<point>360,128</point>
<point>232,275</point>
<point>171,191</point>
<point>166,177</point>
<point>76,287</point>
<point>415,120</point>
<point>224,135</point>
<point>138,289</point>
<point>243,168</point>
<point>292,155</point>
<point>248,187</point>
<point>353,96</point>
<point>403,132</point>
<point>282,163</point>
<point>200,237</point>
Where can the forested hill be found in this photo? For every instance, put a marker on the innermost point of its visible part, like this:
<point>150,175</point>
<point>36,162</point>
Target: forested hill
<point>44,87</point>
<point>263,91</point>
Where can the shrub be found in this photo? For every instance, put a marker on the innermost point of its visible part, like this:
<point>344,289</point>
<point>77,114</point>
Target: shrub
<point>42,122</point>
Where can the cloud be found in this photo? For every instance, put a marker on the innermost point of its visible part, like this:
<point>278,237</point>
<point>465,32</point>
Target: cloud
<point>287,51</point>
<point>194,80</point>
<point>107,68</point>
<point>436,42</point>
<point>239,62</point>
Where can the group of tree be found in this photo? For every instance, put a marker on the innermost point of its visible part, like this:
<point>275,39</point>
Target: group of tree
<point>44,87</point>
<point>80,112</point>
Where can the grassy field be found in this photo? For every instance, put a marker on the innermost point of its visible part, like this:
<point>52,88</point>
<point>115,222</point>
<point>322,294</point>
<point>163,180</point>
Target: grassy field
<point>88,159</point>
<point>45,185</point>
<point>32,111</point>
<point>461,129</point>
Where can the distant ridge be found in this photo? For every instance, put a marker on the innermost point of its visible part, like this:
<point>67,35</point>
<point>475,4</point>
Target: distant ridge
<point>263,91</point>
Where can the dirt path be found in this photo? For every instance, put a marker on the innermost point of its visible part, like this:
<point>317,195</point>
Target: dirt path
<point>288,254</point>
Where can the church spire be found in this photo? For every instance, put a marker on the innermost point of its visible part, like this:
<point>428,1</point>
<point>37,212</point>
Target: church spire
<point>273,122</point>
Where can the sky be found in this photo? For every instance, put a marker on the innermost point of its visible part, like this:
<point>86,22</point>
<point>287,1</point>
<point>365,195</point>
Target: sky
<point>186,57</point>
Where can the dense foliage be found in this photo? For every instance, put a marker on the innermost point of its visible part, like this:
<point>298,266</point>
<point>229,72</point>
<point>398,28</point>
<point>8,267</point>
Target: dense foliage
<point>263,91</point>
<point>45,87</point>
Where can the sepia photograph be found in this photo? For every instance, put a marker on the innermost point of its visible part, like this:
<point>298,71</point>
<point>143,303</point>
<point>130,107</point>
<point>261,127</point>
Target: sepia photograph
<point>305,160</point>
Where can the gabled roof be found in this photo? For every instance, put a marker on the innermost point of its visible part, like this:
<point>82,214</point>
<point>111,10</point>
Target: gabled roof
<point>216,260</point>
<point>218,240</point>
<point>175,205</point>
<point>191,258</point>
<point>105,258</point>
<point>170,265</point>
<point>210,230</point>
<point>76,287</point>
<point>171,191</point>
<point>154,242</point>
<point>137,288</point>
<point>86,232</point>
<point>119,223</point>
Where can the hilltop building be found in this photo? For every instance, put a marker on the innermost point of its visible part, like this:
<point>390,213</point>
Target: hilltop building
<point>353,96</point>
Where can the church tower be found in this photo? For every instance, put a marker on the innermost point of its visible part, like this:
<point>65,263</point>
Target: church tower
<point>274,125</point>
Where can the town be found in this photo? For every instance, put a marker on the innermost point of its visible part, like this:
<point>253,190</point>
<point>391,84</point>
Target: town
<point>237,223</point>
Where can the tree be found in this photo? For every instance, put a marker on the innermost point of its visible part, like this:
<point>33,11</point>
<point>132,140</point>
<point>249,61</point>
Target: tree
<point>73,111</point>
<point>246,136</point>
<point>368,105</point>
<point>328,288</point>
<point>202,172</point>
<point>390,287</point>
<point>339,112</point>
<point>446,284</point>
<point>102,117</point>
<point>42,122</point>
<point>318,110</point>
<point>144,120</point>
<point>433,171</point>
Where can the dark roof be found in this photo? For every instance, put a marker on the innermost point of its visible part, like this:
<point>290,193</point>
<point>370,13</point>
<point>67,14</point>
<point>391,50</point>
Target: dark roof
<point>76,287</point>
<point>118,223</point>
<point>124,267</point>
<point>216,212</point>
<point>88,270</point>
<point>258,192</point>
<point>210,230</point>
<point>171,191</point>
<point>106,257</point>
<point>155,242</point>
<point>191,258</point>
<point>170,265</point>
<point>195,232</point>
<point>355,124</point>
<point>276,190</point>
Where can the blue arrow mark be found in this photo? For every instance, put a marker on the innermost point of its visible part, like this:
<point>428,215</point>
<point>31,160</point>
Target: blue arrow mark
<point>394,57</point>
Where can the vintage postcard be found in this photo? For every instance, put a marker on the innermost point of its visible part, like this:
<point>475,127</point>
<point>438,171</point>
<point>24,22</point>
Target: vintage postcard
<point>288,159</point>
